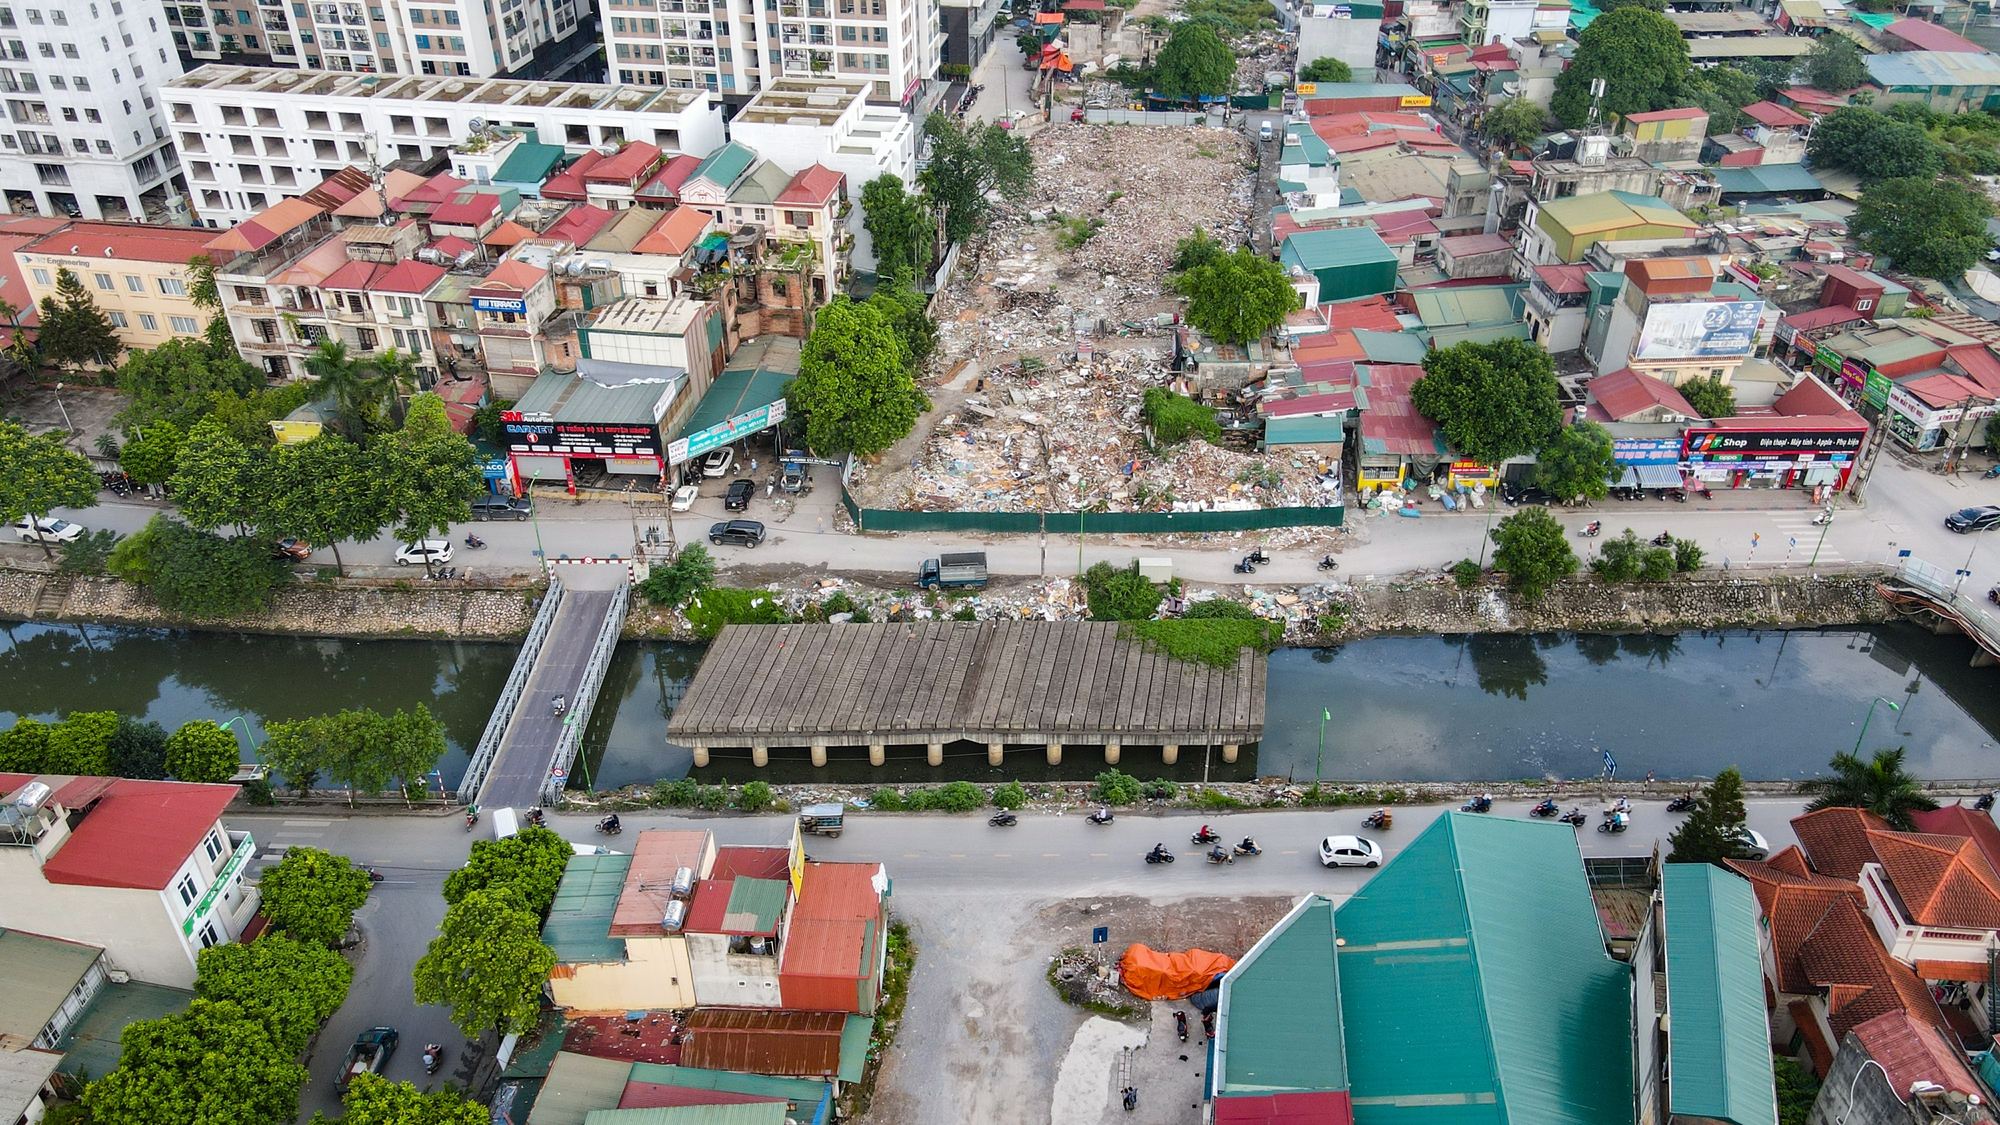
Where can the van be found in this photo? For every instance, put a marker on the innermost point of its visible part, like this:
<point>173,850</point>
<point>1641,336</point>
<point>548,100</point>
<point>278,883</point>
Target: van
<point>1265,132</point>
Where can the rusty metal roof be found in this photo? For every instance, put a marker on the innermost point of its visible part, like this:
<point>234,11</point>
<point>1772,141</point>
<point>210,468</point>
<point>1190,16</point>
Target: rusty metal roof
<point>755,1041</point>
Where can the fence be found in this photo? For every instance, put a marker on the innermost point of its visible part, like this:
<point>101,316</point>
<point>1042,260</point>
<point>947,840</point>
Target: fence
<point>510,695</point>
<point>1090,523</point>
<point>1151,117</point>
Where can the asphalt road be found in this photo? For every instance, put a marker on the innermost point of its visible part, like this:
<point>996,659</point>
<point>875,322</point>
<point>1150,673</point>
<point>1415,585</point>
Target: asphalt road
<point>966,889</point>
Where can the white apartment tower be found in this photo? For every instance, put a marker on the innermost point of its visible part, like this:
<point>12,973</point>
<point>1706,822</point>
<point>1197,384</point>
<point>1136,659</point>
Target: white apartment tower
<point>737,47</point>
<point>448,38</point>
<point>86,134</point>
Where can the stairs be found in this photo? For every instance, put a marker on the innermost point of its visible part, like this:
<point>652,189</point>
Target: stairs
<point>54,594</point>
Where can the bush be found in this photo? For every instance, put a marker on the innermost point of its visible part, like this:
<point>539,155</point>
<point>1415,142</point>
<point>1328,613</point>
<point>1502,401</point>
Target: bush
<point>964,613</point>
<point>888,800</point>
<point>1218,609</point>
<point>195,573</point>
<point>1657,565</point>
<point>1115,787</point>
<point>1216,799</point>
<point>257,791</point>
<point>1010,796</point>
<point>1161,790</point>
<point>675,794</point>
<point>1687,555</point>
<point>957,796</point>
<point>713,608</point>
<point>673,583</point>
<point>1119,594</point>
<point>1466,573</point>
<point>712,797</point>
<point>754,797</point>
<point>1620,559</point>
<point>90,553</point>
<point>1218,643</point>
<point>1176,418</point>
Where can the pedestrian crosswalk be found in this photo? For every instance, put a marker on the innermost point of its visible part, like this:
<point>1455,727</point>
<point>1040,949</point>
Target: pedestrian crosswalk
<point>1793,537</point>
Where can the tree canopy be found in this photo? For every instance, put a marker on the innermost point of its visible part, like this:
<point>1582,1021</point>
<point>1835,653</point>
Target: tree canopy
<point>373,1100</point>
<point>202,752</point>
<point>325,491</point>
<point>198,574</point>
<point>312,894</point>
<point>360,750</point>
<point>1327,69</point>
<point>854,388</point>
<point>1577,463</point>
<point>1639,54</point>
<point>967,161</point>
<point>487,962</point>
<point>1712,831</point>
<point>531,862</point>
<point>38,474</point>
<point>214,1064</point>
<point>1835,64</point>
<point>1711,397</point>
<point>293,986</point>
<point>136,749</point>
<point>1515,122</point>
<point>174,382</point>
<point>1492,400</point>
<point>898,224</point>
<point>1876,146</point>
<point>1533,549</point>
<point>1194,63</point>
<point>1238,297</point>
<point>1930,228</point>
<point>74,331</point>
<point>1879,784</point>
<point>431,472</point>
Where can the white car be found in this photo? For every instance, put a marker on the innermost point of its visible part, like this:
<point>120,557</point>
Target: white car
<point>420,554</point>
<point>1350,851</point>
<point>47,529</point>
<point>1754,845</point>
<point>684,497</point>
<point>718,462</point>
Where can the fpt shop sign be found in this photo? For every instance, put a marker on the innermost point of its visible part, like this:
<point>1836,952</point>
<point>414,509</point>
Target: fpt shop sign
<point>500,304</point>
<point>1716,443</point>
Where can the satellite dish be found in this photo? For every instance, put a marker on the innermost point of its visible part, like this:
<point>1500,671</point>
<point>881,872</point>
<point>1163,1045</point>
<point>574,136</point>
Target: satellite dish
<point>476,124</point>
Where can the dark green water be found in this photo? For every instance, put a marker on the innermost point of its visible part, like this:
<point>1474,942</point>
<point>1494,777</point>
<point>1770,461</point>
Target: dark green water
<point>1777,705</point>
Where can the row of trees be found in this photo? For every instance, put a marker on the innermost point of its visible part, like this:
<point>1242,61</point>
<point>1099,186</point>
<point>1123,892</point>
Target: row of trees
<point>106,744</point>
<point>857,383</point>
<point>360,750</point>
<point>488,961</point>
<point>967,162</point>
<point>1644,61</point>
<point>1713,830</point>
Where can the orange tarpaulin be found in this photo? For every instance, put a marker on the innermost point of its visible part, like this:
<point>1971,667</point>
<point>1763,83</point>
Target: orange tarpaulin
<point>1152,975</point>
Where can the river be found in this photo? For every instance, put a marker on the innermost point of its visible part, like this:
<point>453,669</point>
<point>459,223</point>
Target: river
<point>1458,708</point>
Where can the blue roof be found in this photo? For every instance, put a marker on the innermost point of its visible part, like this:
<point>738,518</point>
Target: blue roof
<point>1761,179</point>
<point>1719,1048</point>
<point>1932,69</point>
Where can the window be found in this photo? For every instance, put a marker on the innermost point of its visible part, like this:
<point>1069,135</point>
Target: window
<point>184,324</point>
<point>83,84</point>
<point>423,42</point>
<point>90,115</point>
<point>134,284</point>
<point>149,322</point>
<point>187,890</point>
<point>70,51</point>
<point>116,318</point>
<point>42,277</point>
<point>209,938</point>
<point>213,845</point>
<point>103,280</point>
<point>173,287</point>
<point>69,114</point>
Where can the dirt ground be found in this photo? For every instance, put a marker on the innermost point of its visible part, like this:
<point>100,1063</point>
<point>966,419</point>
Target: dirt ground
<point>86,411</point>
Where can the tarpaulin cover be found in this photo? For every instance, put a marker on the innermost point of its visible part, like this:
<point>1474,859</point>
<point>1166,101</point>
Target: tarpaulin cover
<point>1151,975</point>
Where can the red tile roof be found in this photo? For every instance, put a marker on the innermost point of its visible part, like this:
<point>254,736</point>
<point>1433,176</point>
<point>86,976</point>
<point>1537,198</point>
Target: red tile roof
<point>1927,36</point>
<point>568,183</point>
<point>636,159</point>
<point>268,226</point>
<point>670,177</point>
<point>1626,392</point>
<point>1843,957</point>
<point>467,208</point>
<point>1775,115</point>
<point>1912,1051</point>
<point>412,278</point>
<point>137,834</point>
<point>356,276</point>
<point>432,192</point>
<point>94,239</point>
<point>580,224</point>
<point>1794,904</point>
<point>1942,880</point>
<point>1832,316</point>
<point>509,233</point>
<point>1836,840</point>
<point>452,245</point>
<point>675,233</point>
<point>1961,820</point>
<point>518,277</point>
<point>812,187</point>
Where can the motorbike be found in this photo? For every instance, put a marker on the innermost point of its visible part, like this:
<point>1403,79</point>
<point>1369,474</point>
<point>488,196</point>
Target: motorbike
<point>433,1057</point>
<point>1481,803</point>
<point>1547,808</point>
<point>1248,847</point>
<point>610,826</point>
<point>1327,564</point>
<point>1002,819</point>
<point>1220,854</point>
<point>374,876</point>
<point>1993,595</point>
<point>1984,802</point>
<point>1180,1025</point>
<point>1619,807</point>
<point>1245,567</point>
<point>471,817</point>
<point>1682,803</point>
<point>1990,473</point>
<point>474,541</point>
<point>1205,836</point>
<point>1616,822</point>
<point>1258,557</point>
<point>1824,518</point>
<point>1159,854</point>
<point>1380,818</point>
<point>558,705</point>
<point>1574,818</point>
<point>1591,530</point>
<point>1102,816</point>
<point>1664,539</point>
<point>534,817</point>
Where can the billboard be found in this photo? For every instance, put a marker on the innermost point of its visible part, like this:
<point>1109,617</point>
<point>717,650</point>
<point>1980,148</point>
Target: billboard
<point>1646,451</point>
<point>1699,329</point>
<point>714,437</point>
<point>1711,443</point>
<point>580,439</point>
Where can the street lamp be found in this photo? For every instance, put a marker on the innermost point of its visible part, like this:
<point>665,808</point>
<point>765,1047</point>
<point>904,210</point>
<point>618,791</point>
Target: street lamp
<point>1893,706</point>
<point>1324,715</point>
<point>534,513</point>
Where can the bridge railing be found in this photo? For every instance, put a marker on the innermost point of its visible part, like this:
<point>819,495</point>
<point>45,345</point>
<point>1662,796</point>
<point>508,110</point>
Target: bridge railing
<point>571,738</point>
<point>488,746</point>
<point>1944,587</point>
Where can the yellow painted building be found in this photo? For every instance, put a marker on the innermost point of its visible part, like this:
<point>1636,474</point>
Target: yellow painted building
<point>609,926</point>
<point>137,274</point>
<point>1563,230</point>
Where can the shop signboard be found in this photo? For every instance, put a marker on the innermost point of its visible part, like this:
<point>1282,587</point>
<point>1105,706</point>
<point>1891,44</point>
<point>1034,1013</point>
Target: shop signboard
<point>1646,451</point>
<point>1415,101</point>
<point>1807,348</point>
<point>500,304</point>
<point>742,426</point>
<point>494,468</point>
<point>1699,330</point>
<point>1875,389</point>
<point>1708,444</point>
<point>541,434</point>
<point>1852,373</point>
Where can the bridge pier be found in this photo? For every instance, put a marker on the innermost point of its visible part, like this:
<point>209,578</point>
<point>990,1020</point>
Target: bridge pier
<point>1111,753</point>
<point>1229,752</point>
<point>760,756</point>
<point>996,753</point>
<point>1055,753</point>
<point>1170,753</point>
<point>876,753</point>
<point>934,753</point>
<point>819,754</point>
<point>700,755</point>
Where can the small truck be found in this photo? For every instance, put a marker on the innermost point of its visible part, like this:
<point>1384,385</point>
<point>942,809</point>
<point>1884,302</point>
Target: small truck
<point>369,1055</point>
<point>966,570</point>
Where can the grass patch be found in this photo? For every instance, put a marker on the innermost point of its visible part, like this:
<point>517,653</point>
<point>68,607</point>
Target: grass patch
<point>1076,232</point>
<point>1214,641</point>
<point>1217,799</point>
<point>711,609</point>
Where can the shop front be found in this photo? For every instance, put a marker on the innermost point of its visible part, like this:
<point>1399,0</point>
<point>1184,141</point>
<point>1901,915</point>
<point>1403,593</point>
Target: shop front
<point>1648,462</point>
<point>1938,411</point>
<point>1774,456</point>
<point>585,434</point>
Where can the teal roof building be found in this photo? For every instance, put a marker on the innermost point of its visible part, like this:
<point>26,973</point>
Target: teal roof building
<point>1719,1055</point>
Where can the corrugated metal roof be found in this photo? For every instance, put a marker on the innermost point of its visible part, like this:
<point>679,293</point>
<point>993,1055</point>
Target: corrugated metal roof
<point>38,974</point>
<point>1759,178</point>
<point>1280,1026</point>
<point>734,392</point>
<point>1305,430</point>
<point>755,904</point>
<point>656,856</point>
<point>92,1043</point>
<point>854,1037</point>
<point>833,922</point>
<point>22,1075</point>
<point>759,1041</point>
<point>576,1085</point>
<point>1932,69</point>
<point>1328,249</point>
<point>1719,1051</point>
<point>579,925</point>
<point>572,398</point>
<point>742,1113</point>
<point>1475,987</point>
<point>799,1091</point>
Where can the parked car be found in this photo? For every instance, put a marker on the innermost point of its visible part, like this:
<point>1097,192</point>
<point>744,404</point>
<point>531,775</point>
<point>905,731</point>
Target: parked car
<point>493,506</point>
<point>737,499</point>
<point>717,463</point>
<point>298,550</point>
<point>1983,518</point>
<point>47,529</point>
<point>1350,851</point>
<point>684,497</point>
<point>425,553</point>
<point>369,1055</point>
<point>1525,494</point>
<point>743,533</point>
<point>795,479</point>
<point>1754,845</point>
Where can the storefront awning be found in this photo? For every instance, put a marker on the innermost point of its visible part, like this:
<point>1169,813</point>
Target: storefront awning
<point>1658,476</point>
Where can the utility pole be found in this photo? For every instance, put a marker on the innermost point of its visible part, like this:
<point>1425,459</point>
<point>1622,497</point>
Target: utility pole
<point>1955,448</point>
<point>1879,433</point>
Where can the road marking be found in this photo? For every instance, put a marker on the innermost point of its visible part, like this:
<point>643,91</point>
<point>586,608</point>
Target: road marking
<point>1099,855</point>
<point>306,823</point>
<point>1051,855</point>
<point>312,835</point>
<point>1003,855</point>
<point>910,855</point>
<point>1288,853</point>
<point>954,855</point>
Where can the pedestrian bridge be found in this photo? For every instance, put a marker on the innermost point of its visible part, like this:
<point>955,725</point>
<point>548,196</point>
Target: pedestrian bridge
<point>527,749</point>
<point>1930,594</point>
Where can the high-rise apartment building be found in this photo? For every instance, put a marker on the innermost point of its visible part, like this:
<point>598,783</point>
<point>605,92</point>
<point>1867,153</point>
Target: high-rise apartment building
<point>85,135</point>
<point>737,47</point>
<point>449,38</point>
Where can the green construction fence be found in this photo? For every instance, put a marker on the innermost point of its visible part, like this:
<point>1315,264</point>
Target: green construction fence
<point>1091,523</point>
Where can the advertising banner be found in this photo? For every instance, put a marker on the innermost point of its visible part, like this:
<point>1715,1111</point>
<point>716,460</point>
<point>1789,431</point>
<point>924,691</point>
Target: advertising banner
<point>500,304</point>
<point>1712,443</point>
<point>1699,329</point>
<point>543,435</point>
<point>1646,451</point>
<point>742,426</point>
<point>1876,390</point>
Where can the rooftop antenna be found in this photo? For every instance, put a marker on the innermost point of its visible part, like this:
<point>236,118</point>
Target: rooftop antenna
<point>1593,149</point>
<point>1596,119</point>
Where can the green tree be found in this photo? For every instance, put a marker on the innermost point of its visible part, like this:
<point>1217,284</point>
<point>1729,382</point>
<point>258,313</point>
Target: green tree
<point>1713,830</point>
<point>1120,593</point>
<point>177,381</point>
<point>214,1064</point>
<point>217,479</point>
<point>1197,249</point>
<point>670,584</point>
<point>80,744</point>
<point>1875,146</point>
<point>312,895</point>
<point>530,863</point>
<point>967,162</point>
<point>1711,397</point>
<point>1515,122</point>
<point>1841,137</point>
<point>38,474</point>
<point>1239,297</point>
<point>430,470</point>
<point>1930,229</point>
<point>488,962</point>
<point>292,986</point>
<point>907,312</point>
<point>1835,65</point>
<point>359,391</point>
<point>1620,559</point>
<point>202,752</point>
<point>1639,54</point>
<point>89,553</point>
<point>196,573</point>
<point>1772,75</point>
<point>1578,463</point>
<point>152,453</point>
<point>74,331</point>
<point>24,747</point>
<point>1881,785</point>
<point>415,742</point>
<point>137,749</point>
<point>1194,63</point>
<point>1492,400</point>
<point>855,391</point>
<point>1723,91</point>
<point>1649,5</point>
<point>325,491</point>
<point>205,295</point>
<point>1798,1088</point>
<point>1175,418</point>
<point>1533,549</point>
<point>372,1100</point>
<point>1328,69</point>
<point>898,225</point>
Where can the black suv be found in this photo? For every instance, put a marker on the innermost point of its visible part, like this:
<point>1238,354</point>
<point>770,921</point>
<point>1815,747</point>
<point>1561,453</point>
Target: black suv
<point>496,507</point>
<point>738,497</point>
<point>743,533</point>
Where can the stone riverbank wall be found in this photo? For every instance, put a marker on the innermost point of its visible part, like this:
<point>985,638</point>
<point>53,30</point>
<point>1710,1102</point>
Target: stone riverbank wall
<point>419,609</point>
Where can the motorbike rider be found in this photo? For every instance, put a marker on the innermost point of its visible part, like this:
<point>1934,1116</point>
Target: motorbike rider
<point>1159,851</point>
<point>1593,527</point>
<point>1248,845</point>
<point>609,823</point>
<point>1218,853</point>
<point>1206,833</point>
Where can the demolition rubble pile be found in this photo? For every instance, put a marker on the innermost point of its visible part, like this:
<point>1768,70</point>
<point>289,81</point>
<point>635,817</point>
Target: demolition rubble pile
<point>1151,185</point>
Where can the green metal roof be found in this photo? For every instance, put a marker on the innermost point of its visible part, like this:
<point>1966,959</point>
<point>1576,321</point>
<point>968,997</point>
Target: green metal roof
<point>1329,249</point>
<point>579,925</point>
<point>1311,149</point>
<point>803,1091</point>
<point>92,1043</point>
<point>530,163</point>
<point>762,186</point>
<point>743,1113</point>
<point>1719,1051</point>
<point>754,905</point>
<point>725,165</point>
<point>1475,987</point>
<point>1306,429</point>
<point>854,1036</point>
<point>1279,1026</point>
<point>734,392</point>
<point>1390,347</point>
<point>1473,306</point>
<point>576,1085</point>
<point>1762,178</point>
<point>38,973</point>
